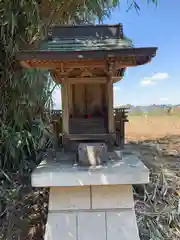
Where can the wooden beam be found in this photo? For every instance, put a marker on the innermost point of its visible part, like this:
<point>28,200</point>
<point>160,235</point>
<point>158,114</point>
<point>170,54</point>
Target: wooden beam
<point>116,79</point>
<point>57,78</point>
<point>52,64</point>
<point>77,80</point>
<point>57,64</point>
<point>87,80</point>
<point>25,64</point>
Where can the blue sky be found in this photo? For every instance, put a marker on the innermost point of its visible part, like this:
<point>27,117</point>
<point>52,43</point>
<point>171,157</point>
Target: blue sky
<point>159,81</point>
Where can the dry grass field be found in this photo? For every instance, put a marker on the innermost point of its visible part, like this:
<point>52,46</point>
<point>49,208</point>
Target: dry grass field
<point>146,128</point>
<point>160,133</point>
<point>156,140</point>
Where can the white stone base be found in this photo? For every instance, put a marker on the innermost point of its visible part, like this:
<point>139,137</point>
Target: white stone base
<point>91,203</point>
<point>110,225</point>
<point>91,212</point>
<point>128,170</point>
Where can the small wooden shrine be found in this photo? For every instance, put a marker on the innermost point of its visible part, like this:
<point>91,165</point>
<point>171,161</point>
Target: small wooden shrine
<point>86,61</point>
<point>93,198</point>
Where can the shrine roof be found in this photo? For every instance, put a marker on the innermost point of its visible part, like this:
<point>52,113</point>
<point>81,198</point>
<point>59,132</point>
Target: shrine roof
<point>80,44</point>
<point>84,38</point>
<point>86,42</point>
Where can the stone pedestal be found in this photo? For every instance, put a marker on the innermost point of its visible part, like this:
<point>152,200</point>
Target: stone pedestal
<point>94,203</point>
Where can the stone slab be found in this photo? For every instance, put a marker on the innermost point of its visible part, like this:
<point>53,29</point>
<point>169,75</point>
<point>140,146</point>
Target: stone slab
<point>112,196</point>
<point>122,225</point>
<point>101,225</point>
<point>91,225</point>
<point>92,153</point>
<point>69,198</point>
<point>61,226</point>
<point>128,170</point>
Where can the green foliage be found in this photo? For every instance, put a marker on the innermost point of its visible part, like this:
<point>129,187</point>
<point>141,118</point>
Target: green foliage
<point>25,94</point>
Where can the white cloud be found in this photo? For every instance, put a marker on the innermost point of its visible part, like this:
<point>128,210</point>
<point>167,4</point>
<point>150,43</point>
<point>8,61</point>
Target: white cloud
<point>163,99</point>
<point>147,81</point>
<point>154,79</point>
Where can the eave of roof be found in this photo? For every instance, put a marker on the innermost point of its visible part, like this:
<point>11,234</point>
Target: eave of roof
<point>86,54</point>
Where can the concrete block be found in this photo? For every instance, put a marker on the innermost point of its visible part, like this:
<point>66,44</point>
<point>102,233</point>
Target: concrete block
<point>112,196</point>
<point>122,225</point>
<point>69,198</point>
<point>91,225</point>
<point>61,226</point>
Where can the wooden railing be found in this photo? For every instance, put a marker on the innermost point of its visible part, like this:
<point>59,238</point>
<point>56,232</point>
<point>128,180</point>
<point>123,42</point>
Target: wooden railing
<point>56,114</point>
<point>120,118</point>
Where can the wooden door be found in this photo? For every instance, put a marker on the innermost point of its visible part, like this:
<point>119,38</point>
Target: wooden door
<point>88,99</point>
<point>78,98</point>
<point>95,99</point>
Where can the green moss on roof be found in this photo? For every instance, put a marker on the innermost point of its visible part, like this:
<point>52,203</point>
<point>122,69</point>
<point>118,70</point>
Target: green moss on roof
<point>85,44</point>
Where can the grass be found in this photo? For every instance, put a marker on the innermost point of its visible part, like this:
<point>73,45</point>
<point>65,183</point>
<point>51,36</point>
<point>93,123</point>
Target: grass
<point>157,141</point>
<point>156,203</point>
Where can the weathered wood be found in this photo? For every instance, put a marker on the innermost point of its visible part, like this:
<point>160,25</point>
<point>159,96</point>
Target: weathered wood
<point>65,101</point>
<point>110,106</point>
<point>86,73</point>
<point>87,126</point>
<point>87,80</point>
<point>88,99</point>
<point>55,64</point>
<point>25,64</point>
<point>143,55</point>
<point>120,118</point>
<point>78,80</point>
<point>79,103</point>
<point>102,136</point>
<point>121,62</point>
<point>70,99</point>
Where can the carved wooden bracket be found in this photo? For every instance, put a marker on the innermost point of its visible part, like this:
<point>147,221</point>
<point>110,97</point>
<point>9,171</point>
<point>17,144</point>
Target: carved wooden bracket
<point>86,73</point>
<point>111,67</point>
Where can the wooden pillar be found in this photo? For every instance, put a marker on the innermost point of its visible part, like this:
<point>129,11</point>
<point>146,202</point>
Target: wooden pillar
<point>65,106</point>
<point>70,98</point>
<point>110,106</point>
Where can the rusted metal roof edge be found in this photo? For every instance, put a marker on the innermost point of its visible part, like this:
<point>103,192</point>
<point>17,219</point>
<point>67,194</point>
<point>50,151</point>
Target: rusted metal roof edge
<point>84,25</point>
<point>75,55</point>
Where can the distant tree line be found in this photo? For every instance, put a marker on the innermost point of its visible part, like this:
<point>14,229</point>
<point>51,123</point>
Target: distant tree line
<point>154,110</point>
